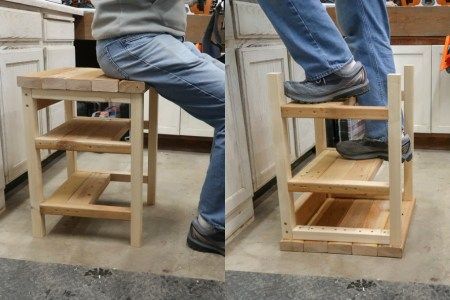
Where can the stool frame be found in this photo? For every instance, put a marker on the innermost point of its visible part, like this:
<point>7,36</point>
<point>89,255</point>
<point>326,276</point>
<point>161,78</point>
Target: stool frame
<point>36,99</point>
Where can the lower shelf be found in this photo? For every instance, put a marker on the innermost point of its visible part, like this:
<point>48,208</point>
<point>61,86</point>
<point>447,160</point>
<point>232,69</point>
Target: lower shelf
<point>333,224</point>
<point>77,196</point>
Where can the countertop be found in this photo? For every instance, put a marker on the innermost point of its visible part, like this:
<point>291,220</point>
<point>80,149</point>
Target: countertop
<point>48,6</point>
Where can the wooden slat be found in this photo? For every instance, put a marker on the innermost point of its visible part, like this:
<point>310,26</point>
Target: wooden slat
<point>356,214</point>
<point>127,86</point>
<point>80,188</point>
<point>340,234</point>
<point>77,95</point>
<point>41,104</point>
<point>330,111</point>
<point>91,189</point>
<point>83,81</point>
<point>88,211</point>
<point>59,81</point>
<point>307,205</point>
<point>334,214</point>
<point>348,187</point>
<point>105,84</point>
<point>87,134</point>
<point>34,80</point>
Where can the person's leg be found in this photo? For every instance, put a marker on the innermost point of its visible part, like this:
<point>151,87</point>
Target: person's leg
<point>365,25</point>
<point>315,43</point>
<point>309,35</point>
<point>186,78</point>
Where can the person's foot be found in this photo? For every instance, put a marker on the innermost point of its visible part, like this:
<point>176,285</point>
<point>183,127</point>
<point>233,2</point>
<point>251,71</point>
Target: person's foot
<point>349,81</point>
<point>204,237</point>
<point>367,149</point>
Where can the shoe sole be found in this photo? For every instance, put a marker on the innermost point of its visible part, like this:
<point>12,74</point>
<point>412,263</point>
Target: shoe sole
<point>336,96</point>
<point>381,155</point>
<point>203,247</point>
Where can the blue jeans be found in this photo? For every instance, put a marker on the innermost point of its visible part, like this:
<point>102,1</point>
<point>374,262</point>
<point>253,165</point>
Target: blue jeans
<point>192,80</point>
<point>316,44</point>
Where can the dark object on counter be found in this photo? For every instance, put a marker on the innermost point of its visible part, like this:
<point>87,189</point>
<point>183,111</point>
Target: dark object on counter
<point>79,3</point>
<point>213,40</point>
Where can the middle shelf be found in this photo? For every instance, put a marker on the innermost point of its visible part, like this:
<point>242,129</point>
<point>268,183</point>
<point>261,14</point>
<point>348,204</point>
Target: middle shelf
<point>89,135</point>
<point>330,173</point>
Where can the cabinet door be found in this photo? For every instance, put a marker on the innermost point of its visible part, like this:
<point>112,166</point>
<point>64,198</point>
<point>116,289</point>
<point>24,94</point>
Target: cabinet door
<point>58,57</point>
<point>12,64</point>
<point>304,128</point>
<point>420,58</point>
<point>255,63</point>
<point>440,108</point>
<point>194,127</point>
<point>168,116</point>
<point>238,182</point>
<point>2,181</point>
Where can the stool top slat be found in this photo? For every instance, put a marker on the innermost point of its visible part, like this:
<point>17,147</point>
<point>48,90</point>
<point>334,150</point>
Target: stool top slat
<point>79,79</point>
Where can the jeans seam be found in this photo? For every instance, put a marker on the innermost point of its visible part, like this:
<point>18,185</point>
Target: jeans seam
<point>370,43</point>
<point>174,75</point>
<point>122,72</point>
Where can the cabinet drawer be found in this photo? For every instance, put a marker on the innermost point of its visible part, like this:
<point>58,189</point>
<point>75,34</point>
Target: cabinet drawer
<point>20,24</point>
<point>57,30</point>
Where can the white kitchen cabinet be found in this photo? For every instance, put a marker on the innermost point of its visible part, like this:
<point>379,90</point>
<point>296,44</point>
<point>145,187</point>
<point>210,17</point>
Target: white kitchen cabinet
<point>14,63</point>
<point>238,179</point>
<point>168,115</point>
<point>440,94</point>
<point>58,56</point>
<point>304,128</point>
<point>420,58</point>
<point>255,62</point>
<point>194,127</point>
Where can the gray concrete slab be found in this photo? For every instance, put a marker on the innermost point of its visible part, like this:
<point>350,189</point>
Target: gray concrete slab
<point>427,253</point>
<point>249,285</point>
<point>105,243</point>
<point>31,280</point>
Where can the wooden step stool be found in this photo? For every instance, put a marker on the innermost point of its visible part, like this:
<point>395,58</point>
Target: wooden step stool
<point>78,195</point>
<point>341,209</point>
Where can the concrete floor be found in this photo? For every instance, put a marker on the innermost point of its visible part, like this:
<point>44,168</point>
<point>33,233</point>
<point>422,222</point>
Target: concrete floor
<point>105,243</point>
<point>427,254</point>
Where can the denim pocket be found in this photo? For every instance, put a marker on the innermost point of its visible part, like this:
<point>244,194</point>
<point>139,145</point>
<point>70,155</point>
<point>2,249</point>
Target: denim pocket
<point>108,65</point>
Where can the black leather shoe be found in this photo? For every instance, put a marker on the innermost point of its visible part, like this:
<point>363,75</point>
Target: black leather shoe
<point>206,239</point>
<point>368,149</point>
<point>350,81</point>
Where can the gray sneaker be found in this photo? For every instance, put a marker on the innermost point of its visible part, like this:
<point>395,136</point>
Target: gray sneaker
<point>206,238</point>
<point>368,149</point>
<point>350,81</point>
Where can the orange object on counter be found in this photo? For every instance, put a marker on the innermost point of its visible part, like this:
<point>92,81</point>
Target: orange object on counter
<point>445,62</point>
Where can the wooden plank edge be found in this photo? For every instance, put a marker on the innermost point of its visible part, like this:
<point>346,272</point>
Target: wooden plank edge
<point>88,211</point>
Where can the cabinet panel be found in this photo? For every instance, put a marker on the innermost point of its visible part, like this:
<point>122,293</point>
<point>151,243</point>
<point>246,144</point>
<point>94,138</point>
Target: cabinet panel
<point>194,127</point>
<point>168,116</point>
<point>440,80</point>
<point>20,24</point>
<point>12,64</point>
<point>304,128</point>
<point>420,58</point>
<point>238,187</point>
<point>2,181</point>
<point>58,57</point>
<point>251,21</point>
<point>255,63</point>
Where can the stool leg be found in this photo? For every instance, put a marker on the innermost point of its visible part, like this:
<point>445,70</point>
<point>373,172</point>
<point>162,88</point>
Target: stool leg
<point>137,153</point>
<point>35,182</point>
<point>71,155</point>
<point>152,147</point>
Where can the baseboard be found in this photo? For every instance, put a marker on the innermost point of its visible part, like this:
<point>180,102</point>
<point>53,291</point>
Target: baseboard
<point>432,141</point>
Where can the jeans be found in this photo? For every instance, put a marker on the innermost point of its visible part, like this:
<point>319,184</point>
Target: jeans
<point>190,79</point>
<point>318,47</point>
